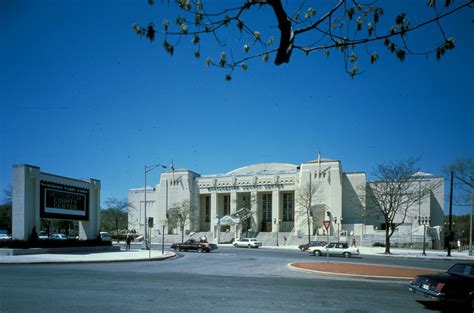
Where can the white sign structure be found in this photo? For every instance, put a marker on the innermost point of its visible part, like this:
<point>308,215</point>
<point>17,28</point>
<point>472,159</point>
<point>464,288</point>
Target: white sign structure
<point>39,195</point>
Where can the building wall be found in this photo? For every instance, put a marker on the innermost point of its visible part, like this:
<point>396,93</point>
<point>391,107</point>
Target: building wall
<point>353,203</point>
<point>338,195</point>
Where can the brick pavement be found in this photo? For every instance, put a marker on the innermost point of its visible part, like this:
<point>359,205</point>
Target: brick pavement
<point>362,270</point>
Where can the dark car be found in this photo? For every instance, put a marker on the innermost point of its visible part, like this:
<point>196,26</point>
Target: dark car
<point>456,285</point>
<point>192,244</point>
<point>312,244</point>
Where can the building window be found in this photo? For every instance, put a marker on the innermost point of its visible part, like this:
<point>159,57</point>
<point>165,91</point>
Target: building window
<point>288,207</point>
<point>226,205</point>
<point>267,207</point>
<point>207,209</point>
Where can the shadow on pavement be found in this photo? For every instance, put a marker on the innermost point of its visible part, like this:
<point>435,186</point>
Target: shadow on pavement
<point>444,307</point>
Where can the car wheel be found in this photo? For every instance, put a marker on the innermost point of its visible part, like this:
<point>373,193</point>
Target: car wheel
<point>250,246</point>
<point>317,253</point>
<point>347,254</point>
<point>199,250</point>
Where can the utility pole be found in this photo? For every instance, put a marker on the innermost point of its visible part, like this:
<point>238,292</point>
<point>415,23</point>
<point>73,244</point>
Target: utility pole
<point>470,225</point>
<point>450,222</point>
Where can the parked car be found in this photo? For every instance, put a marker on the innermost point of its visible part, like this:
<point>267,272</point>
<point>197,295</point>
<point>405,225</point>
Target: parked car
<point>104,236</point>
<point>42,235</point>
<point>455,285</point>
<point>334,248</point>
<point>4,236</point>
<point>247,242</point>
<point>192,244</point>
<point>305,246</point>
<point>58,237</point>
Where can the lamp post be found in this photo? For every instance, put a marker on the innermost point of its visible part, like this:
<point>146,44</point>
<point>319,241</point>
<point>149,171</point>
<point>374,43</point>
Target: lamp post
<point>424,220</point>
<point>277,224</point>
<point>470,225</point>
<point>338,224</point>
<point>163,238</point>
<point>145,245</point>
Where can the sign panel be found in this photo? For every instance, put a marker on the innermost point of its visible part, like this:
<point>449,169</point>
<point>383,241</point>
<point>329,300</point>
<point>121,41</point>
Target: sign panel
<point>63,201</point>
<point>326,224</point>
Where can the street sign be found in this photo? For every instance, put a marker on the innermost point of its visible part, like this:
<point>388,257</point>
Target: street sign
<point>326,224</point>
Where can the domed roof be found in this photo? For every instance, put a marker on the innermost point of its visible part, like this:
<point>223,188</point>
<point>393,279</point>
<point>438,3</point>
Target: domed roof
<point>264,169</point>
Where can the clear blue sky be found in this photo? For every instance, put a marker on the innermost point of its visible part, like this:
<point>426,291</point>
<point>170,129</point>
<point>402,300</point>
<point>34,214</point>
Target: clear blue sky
<point>82,96</point>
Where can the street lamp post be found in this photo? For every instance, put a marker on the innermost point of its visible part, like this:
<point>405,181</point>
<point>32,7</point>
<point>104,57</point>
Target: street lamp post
<point>470,226</point>
<point>163,239</point>
<point>277,224</point>
<point>338,224</point>
<point>145,245</point>
<point>425,221</point>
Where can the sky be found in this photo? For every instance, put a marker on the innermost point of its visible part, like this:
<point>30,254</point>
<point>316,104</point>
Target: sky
<point>82,96</point>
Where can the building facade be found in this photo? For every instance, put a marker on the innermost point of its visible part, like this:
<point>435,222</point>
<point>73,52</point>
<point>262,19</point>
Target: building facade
<point>278,197</point>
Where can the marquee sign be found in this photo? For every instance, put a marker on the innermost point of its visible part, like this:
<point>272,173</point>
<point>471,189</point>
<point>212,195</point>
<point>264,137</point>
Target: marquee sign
<point>63,201</point>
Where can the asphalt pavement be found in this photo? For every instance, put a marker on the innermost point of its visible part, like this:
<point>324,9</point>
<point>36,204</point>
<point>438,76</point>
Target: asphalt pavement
<point>319,267</point>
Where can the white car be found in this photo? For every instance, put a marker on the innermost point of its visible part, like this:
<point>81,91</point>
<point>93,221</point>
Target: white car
<point>247,242</point>
<point>5,237</point>
<point>334,248</point>
<point>104,236</point>
<point>58,237</point>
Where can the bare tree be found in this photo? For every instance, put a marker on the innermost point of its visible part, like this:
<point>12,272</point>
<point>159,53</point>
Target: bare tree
<point>395,192</point>
<point>7,195</point>
<point>350,27</point>
<point>309,199</point>
<point>463,169</point>
<point>180,215</point>
<point>6,209</point>
<point>116,213</point>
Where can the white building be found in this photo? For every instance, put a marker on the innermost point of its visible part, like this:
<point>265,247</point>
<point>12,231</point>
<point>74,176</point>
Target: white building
<point>276,195</point>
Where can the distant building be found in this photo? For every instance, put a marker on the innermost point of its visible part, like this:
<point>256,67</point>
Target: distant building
<point>275,195</point>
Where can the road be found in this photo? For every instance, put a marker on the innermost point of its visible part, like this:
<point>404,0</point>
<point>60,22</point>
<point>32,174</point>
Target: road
<point>228,280</point>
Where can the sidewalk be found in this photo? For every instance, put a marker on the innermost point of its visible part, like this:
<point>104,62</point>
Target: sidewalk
<point>395,252</point>
<point>119,256</point>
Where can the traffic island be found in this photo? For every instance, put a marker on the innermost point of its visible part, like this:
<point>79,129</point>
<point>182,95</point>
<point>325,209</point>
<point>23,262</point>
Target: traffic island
<point>361,270</point>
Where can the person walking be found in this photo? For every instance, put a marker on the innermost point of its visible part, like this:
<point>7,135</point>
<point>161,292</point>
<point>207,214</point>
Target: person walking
<point>353,242</point>
<point>128,240</point>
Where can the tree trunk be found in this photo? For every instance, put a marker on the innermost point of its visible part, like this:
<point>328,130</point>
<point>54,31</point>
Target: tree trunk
<point>387,241</point>
<point>309,231</point>
<point>117,228</point>
<point>182,234</point>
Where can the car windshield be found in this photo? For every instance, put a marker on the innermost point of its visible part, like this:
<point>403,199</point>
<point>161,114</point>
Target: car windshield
<point>462,269</point>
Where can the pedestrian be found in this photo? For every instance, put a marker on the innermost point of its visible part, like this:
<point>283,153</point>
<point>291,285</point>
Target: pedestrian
<point>353,242</point>
<point>284,237</point>
<point>128,240</point>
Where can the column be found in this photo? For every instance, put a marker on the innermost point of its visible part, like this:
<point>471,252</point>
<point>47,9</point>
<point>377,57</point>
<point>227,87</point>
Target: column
<point>25,201</point>
<point>90,229</point>
<point>254,206</point>
<point>233,207</point>
<point>233,202</point>
<point>213,216</point>
<point>275,209</point>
